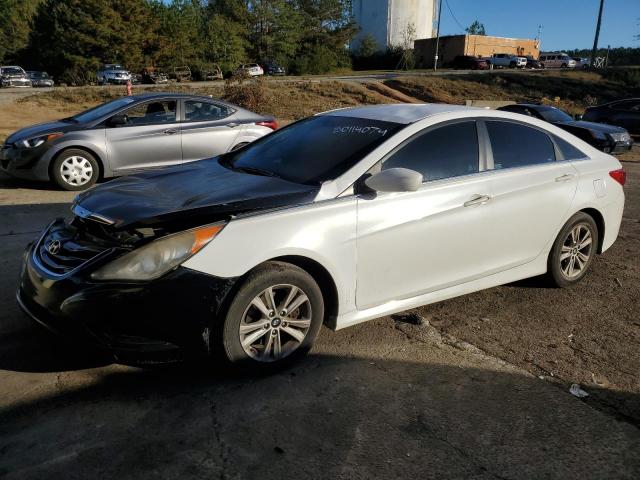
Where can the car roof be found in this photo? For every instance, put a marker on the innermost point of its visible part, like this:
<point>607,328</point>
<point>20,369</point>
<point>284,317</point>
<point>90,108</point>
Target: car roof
<point>405,113</point>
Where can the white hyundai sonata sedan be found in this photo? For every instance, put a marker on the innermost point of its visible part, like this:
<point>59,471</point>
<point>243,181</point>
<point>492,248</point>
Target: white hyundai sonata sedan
<point>339,218</point>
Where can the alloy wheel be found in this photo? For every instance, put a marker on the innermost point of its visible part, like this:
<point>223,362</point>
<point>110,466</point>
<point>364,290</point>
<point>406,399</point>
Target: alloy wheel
<point>76,170</point>
<point>576,251</point>
<point>275,323</point>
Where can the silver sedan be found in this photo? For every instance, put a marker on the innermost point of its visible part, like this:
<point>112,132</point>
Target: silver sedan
<point>127,135</point>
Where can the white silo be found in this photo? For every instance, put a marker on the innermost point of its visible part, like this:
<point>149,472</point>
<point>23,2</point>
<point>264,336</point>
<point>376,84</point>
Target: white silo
<point>387,20</point>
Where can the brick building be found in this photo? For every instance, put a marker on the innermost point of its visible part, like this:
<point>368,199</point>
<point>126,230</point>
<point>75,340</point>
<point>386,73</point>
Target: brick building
<point>474,45</point>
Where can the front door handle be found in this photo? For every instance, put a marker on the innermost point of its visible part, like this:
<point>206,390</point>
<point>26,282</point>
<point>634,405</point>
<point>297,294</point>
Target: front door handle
<point>477,200</point>
<point>170,131</point>
<point>565,178</point>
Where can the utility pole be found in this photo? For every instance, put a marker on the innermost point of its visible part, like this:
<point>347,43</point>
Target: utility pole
<point>435,59</point>
<point>595,40</point>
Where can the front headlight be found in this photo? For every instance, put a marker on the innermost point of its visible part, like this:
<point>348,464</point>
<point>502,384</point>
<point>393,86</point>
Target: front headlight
<point>37,141</point>
<point>158,257</point>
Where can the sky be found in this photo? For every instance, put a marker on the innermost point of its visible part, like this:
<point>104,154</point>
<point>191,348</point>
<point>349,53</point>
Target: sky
<point>566,24</point>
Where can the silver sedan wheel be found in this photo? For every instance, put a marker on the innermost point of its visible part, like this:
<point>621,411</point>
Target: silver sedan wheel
<point>76,170</point>
<point>275,323</point>
<point>576,251</point>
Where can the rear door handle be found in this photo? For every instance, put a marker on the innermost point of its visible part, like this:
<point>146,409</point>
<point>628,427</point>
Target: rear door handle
<point>565,178</point>
<point>232,124</point>
<point>170,131</point>
<point>477,200</point>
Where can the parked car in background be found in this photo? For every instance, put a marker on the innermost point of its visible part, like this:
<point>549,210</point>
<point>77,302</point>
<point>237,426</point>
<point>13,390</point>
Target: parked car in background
<point>557,60</point>
<point>336,219</point>
<point>608,138</point>
<point>582,63</point>
<point>40,79</point>
<point>468,62</point>
<point>14,76</point>
<point>182,73</point>
<point>506,60</point>
<point>532,62</point>
<point>214,73</point>
<point>127,135</point>
<point>152,75</point>
<point>623,113</point>
<point>251,69</point>
<point>271,67</point>
<point>113,73</point>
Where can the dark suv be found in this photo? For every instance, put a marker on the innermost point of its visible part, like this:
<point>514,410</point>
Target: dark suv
<point>623,113</point>
<point>607,138</point>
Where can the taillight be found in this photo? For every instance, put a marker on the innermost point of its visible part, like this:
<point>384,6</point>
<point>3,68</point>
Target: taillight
<point>272,124</point>
<point>619,176</point>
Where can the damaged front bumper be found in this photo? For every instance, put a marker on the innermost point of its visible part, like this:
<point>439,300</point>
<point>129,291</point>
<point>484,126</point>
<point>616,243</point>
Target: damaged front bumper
<point>163,320</point>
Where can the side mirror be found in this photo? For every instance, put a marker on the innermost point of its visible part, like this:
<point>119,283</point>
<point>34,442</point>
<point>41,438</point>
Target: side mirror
<point>395,180</point>
<point>578,116</point>
<point>118,120</point>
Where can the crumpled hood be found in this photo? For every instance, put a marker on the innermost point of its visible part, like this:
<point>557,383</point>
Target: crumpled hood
<point>189,195</point>
<point>40,129</point>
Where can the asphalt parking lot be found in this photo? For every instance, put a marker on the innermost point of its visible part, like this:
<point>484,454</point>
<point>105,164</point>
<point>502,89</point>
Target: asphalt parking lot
<point>475,387</point>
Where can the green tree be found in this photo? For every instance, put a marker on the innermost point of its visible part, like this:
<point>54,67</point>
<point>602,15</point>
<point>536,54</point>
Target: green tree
<point>476,28</point>
<point>71,38</point>
<point>368,46</point>
<point>15,25</point>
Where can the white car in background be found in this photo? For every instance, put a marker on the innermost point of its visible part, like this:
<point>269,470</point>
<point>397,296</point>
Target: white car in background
<point>507,60</point>
<point>113,73</point>
<point>556,60</point>
<point>251,69</point>
<point>582,63</point>
<point>339,218</point>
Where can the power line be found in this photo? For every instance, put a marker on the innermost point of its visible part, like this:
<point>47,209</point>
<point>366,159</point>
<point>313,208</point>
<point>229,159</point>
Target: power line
<point>453,16</point>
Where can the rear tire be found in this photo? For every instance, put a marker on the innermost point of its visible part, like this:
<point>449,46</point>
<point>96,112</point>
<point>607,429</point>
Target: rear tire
<point>273,319</point>
<point>75,169</point>
<point>573,251</point>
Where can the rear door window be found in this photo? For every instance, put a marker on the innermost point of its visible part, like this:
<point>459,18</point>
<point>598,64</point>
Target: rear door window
<point>516,145</point>
<point>444,152</point>
<point>198,111</point>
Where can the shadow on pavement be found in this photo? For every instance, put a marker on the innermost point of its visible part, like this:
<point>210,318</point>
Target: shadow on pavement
<point>327,417</point>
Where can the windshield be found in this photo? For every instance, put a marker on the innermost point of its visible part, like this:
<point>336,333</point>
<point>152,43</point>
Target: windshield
<point>555,115</point>
<point>96,112</point>
<point>12,71</point>
<point>312,150</point>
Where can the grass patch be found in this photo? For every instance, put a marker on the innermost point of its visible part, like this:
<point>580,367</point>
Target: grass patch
<point>284,100</point>
<point>572,91</point>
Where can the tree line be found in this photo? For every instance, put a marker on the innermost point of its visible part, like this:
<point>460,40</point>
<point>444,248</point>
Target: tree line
<point>71,38</point>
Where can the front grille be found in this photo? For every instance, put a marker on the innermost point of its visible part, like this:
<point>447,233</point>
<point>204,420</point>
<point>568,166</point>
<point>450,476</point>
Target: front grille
<point>64,248</point>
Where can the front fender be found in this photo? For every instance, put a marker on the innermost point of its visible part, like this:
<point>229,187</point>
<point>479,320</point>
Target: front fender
<point>95,143</point>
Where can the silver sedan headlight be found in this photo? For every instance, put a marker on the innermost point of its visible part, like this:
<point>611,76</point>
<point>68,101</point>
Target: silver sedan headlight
<point>37,141</point>
<point>158,257</point>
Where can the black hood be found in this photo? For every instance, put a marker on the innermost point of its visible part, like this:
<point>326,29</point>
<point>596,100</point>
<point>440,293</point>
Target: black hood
<point>189,195</point>
<point>41,129</point>
<point>598,127</point>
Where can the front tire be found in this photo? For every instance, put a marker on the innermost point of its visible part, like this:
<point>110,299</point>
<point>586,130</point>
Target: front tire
<point>273,319</point>
<point>573,251</point>
<point>75,169</point>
